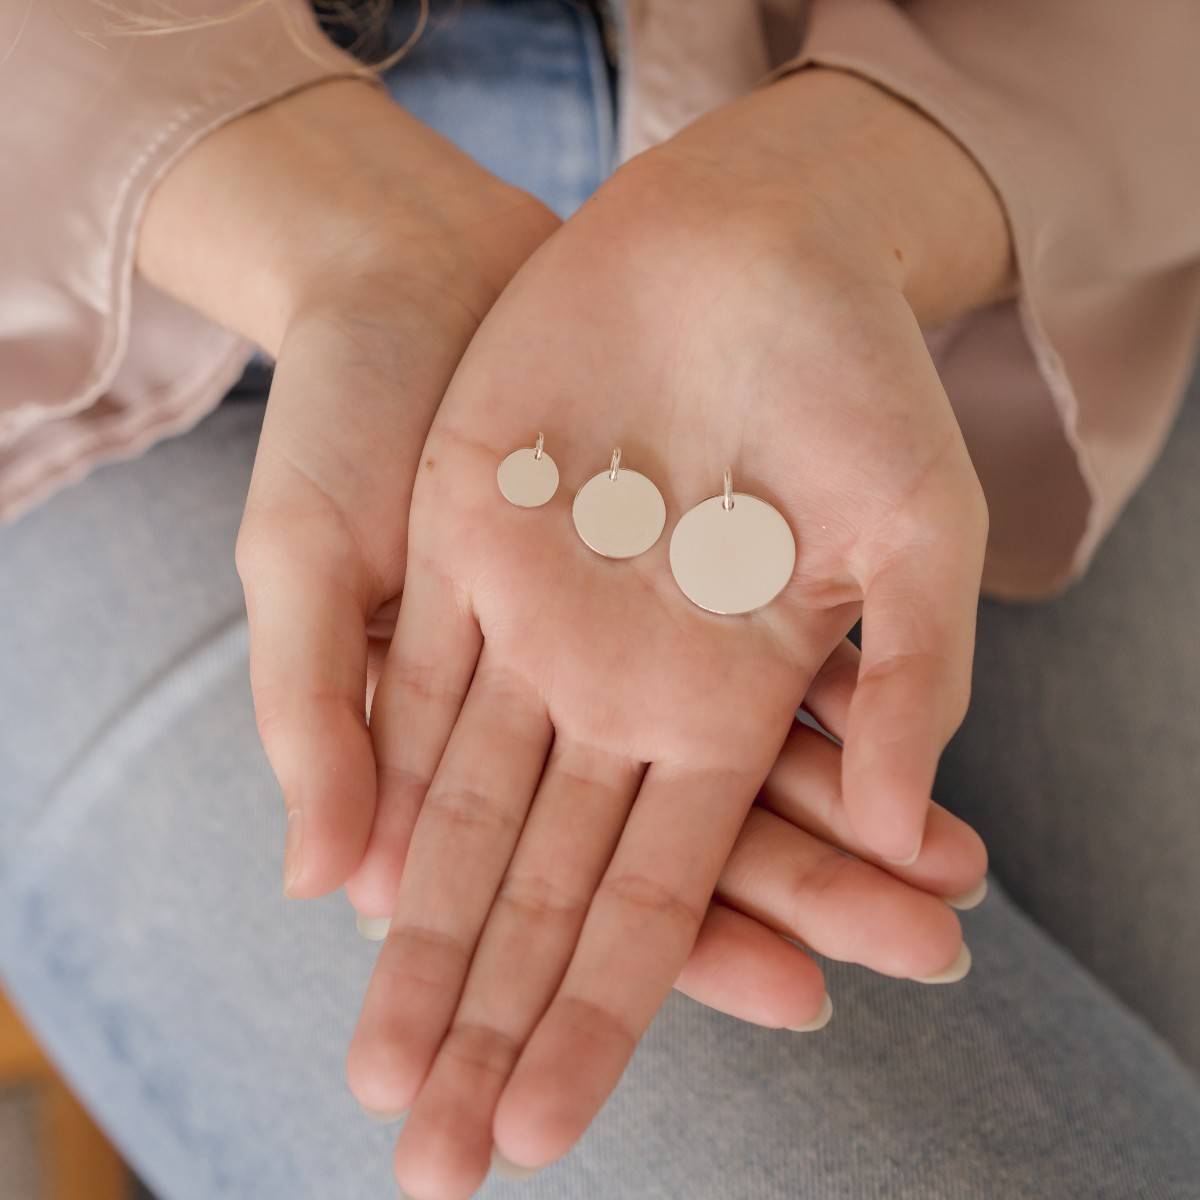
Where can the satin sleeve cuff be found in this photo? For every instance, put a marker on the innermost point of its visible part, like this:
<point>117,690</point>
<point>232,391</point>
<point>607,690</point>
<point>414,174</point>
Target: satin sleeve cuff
<point>1081,115</point>
<point>95,364</point>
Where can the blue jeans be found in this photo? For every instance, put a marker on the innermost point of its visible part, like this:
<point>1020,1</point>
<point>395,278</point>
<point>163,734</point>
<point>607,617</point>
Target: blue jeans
<point>520,85</point>
<point>205,1020</point>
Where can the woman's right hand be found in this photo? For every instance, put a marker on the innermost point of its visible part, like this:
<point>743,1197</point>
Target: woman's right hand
<point>362,250</point>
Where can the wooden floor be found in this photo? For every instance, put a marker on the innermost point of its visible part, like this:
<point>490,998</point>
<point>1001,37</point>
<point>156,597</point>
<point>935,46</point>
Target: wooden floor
<point>72,1160</point>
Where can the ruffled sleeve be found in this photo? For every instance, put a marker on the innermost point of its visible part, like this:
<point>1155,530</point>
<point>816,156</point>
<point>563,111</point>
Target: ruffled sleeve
<point>94,363</point>
<point>1083,115</point>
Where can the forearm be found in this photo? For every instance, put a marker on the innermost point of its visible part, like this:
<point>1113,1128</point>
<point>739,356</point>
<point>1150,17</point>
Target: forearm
<point>839,163</point>
<point>326,184</point>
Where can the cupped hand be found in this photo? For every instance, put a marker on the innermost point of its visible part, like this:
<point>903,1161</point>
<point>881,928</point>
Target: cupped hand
<point>362,250</point>
<point>567,747</point>
<point>799,872</point>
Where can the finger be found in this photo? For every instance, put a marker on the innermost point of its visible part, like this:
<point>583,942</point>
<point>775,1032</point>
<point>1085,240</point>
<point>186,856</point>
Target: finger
<point>953,858</point>
<point>461,845</point>
<point>305,602</point>
<point>841,907</point>
<point>417,700</point>
<point>322,545</point>
<point>381,629</point>
<point>805,788</point>
<point>829,695</point>
<point>913,685</point>
<point>740,967</point>
<point>568,839</point>
<point>635,940</point>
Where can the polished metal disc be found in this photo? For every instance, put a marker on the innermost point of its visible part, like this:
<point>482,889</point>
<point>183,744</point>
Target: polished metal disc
<point>732,560</point>
<point>527,479</point>
<point>619,517</point>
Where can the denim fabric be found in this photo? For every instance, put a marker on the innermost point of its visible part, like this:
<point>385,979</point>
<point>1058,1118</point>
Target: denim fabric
<point>520,85</point>
<point>204,1019</point>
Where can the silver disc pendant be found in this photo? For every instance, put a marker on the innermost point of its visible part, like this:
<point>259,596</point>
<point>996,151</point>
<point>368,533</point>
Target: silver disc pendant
<point>619,513</point>
<point>733,553</point>
<point>528,477</point>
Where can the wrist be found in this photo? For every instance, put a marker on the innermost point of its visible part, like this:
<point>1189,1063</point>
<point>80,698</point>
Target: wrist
<point>825,170</point>
<point>923,200</point>
<point>263,219</point>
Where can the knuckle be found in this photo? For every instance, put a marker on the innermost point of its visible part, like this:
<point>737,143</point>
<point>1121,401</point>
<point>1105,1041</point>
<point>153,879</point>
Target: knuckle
<point>416,957</point>
<point>282,711</point>
<point>596,1022</point>
<point>273,718</point>
<point>883,669</point>
<point>469,809</point>
<point>814,883</point>
<point>399,782</point>
<point>483,1048</point>
<point>639,892</point>
<point>540,898</point>
<point>420,682</point>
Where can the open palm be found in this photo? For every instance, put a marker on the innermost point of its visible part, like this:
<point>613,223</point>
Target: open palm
<point>567,746</point>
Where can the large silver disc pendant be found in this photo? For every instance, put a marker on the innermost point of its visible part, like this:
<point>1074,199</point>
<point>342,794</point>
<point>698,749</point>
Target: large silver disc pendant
<point>619,513</point>
<point>732,554</point>
<point>528,478</point>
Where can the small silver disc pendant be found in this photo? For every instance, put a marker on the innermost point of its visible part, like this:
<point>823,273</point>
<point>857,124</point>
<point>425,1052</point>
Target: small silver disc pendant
<point>733,553</point>
<point>619,513</point>
<point>528,477</point>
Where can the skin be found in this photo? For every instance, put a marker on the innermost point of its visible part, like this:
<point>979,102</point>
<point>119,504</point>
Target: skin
<point>378,248</point>
<point>568,749</point>
<point>764,271</point>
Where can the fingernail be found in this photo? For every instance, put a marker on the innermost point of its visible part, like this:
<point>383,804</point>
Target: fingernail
<point>823,1017</point>
<point>510,1170</point>
<point>374,929</point>
<point>291,850</point>
<point>906,862</point>
<point>386,1118</point>
<point>971,899</point>
<point>954,972</point>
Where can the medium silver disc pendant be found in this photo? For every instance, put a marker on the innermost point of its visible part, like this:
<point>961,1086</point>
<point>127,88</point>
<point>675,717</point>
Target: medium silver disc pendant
<point>528,478</point>
<point>733,559</point>
<point>619,513</point>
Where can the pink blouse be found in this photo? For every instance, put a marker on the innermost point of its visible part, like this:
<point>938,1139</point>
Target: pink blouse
<point>1081,112</point>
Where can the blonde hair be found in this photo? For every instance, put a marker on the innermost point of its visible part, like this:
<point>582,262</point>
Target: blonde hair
<point>368,18</point>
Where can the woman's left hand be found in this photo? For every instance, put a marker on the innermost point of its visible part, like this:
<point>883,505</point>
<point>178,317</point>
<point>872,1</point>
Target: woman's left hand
<point>581,742</point>
<point>799,870</point>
